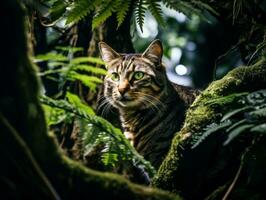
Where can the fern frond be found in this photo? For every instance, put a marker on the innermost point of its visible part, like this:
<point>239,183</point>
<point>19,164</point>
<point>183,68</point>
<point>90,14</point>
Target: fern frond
<point>89,81</point>
<point>69,49</point>
<point>205,6</point>
<point>57,10</point>
<point>104,12</point>
<point>91,69</point>
<point>236,111</point>
<point>140,10</point>
<point>185,7</point>
<point>122,12</point>
<point>79,10</point>
<point>237,131</point>
<point>212,128</point>
<point>75,100</point>
<point>79,60</point>
<point>50,57</point>
<point>156,11</point>
<point>104,127</point>
<point>261,128</point>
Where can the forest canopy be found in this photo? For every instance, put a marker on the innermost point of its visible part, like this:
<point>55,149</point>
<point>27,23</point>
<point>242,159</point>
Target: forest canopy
<point>60,139</point>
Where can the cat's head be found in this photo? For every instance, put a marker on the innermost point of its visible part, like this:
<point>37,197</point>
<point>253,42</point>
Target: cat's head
<point>134,80</point>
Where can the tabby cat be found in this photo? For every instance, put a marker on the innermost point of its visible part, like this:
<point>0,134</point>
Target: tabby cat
<point>151,108</point>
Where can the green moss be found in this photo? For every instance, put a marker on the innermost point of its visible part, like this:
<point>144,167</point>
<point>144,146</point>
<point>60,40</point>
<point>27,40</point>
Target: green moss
<point>182,162</point>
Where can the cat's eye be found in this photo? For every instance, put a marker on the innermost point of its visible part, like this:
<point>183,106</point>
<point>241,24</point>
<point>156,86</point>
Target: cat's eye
<point>115,76</point>
<point>138,75</point>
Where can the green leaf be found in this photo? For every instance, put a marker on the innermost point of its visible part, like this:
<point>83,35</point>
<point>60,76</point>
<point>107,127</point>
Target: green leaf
<point>121,12</point>
<point>89,81</point>
<point>69,49</point>
<point>259,115</point>
<point>54,116</point>
<point>237,131</point>
<point>205,6</point>
<point>89,68</point>
<point>103,13</point>
<point>236,111</point>
<point>210,130</point>
<point>221,101</point>
<point>261,128</point>
<point>50,57</point>
<point>79,60</point>
<point>140,10</point>
<point>156,11</point>
<point>75,100</point>
<point>57,10</point>
<point>109,134</point>
<point>78,10</point>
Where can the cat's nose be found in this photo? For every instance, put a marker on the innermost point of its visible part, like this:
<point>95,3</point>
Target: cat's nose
<point>123,87</point>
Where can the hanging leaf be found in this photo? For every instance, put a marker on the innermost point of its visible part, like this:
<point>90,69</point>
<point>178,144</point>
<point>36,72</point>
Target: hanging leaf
<point>213,128</point>
<point>122,12</point>
<point>261,128</point>
<point>156,11</point>
<point>237,131</point>
<point>140,13</point>
<point>234,112</point>
<point>79,60</point>
<point>104,12</point>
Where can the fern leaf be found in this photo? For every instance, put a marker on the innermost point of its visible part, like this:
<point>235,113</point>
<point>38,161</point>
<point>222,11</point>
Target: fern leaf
<point>205,6</point>
<point>69,49</point>
<point>57,10</point>
<point>109,159</point>
<point>222,101</point>
<point>103,13</point>
<point>237,131</point>
<point>54,116</point>
<point>140,13</point>
<point>236,111</point>
<point>50,57</point>
<point>261,128</point>
<point>210,130</point>
<point>122,12</point>
<point>89,68</point>
<point>75,100</point>
<point>236,124</point>
<point>89,81</point>
<point>104,127</point>
<point>156,11</point>
<point>185,7</point>
<point>79,10</point>
<point>257,115</point>
<point>79,60</point>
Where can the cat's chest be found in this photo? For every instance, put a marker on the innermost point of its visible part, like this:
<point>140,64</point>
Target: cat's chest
<point>130,127</point>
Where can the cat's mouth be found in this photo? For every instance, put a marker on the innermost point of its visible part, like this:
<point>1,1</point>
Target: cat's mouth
<point>125,101</point>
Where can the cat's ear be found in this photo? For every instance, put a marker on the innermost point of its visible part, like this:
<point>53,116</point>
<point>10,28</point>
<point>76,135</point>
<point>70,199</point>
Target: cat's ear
<point>154,52</point>
<point>107,53</point>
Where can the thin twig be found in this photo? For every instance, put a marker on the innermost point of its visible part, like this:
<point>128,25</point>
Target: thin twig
<point>233,183</point>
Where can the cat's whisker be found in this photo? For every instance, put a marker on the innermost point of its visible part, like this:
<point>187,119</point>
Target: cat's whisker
<point>155,102</point>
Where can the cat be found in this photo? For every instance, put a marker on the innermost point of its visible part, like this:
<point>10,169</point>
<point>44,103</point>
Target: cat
<point>151,108</point>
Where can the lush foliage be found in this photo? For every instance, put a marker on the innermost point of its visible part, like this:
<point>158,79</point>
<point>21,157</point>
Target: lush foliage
<point>69,68</point>
<point>247,115</point>
<point>75,10</point>
<point>93,130</point>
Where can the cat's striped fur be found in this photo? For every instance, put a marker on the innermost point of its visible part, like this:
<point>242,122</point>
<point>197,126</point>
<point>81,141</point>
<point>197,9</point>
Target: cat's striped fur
<point>151,108</point>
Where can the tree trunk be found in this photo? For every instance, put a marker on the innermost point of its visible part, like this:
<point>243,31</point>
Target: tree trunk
<point>188,170</point>
<point>196,173</point>
<point>33,167</point>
